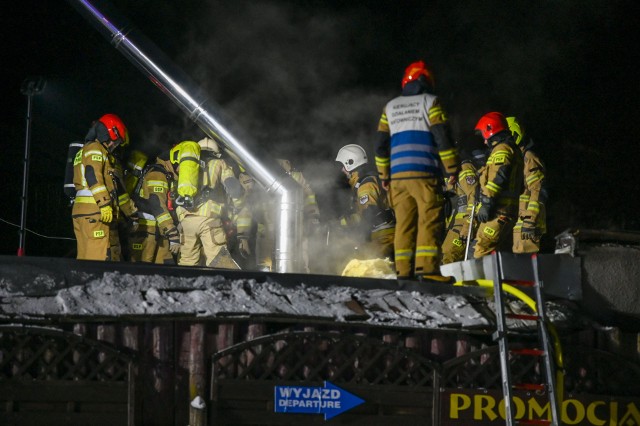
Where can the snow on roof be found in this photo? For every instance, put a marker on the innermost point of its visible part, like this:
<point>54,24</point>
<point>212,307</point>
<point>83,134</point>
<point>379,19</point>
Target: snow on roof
<point>215,297</point>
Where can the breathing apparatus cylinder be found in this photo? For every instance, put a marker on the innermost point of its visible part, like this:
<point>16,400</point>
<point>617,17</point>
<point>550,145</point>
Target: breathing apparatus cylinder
<point>69,187</point>
<point>186,155</point>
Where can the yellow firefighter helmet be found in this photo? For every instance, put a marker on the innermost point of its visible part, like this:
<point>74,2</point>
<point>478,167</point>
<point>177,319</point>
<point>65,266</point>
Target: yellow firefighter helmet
<point>516,129</point>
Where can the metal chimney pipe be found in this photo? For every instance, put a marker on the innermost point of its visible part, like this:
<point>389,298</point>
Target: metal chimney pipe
<point>213,122</point>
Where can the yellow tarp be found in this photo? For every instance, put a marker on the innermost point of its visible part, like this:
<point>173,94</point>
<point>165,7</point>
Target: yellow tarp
<point>371,268</point>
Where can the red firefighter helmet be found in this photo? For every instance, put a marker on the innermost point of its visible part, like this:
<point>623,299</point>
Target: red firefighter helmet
<point>491,123</point>
<point>415,71</point>
<point>116,128</point>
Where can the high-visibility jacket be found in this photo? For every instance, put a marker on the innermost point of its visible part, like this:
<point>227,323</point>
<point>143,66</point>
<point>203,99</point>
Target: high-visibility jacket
<point>371,212</point>
<point>533,198</point>
<point>97,179</point>
<point>502,177</point>
<point>413,151</point>
<point>151,196</point>
<point>465,189</point>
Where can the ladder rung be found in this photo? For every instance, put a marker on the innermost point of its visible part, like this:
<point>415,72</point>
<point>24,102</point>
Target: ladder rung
<point>524,316</point>
<point>540,422</point>
<point>522,283</point>
<point>530,386</point>
<point>528,351</point>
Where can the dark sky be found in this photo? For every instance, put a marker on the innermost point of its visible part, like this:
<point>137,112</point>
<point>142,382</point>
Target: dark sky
<point>304,77</point>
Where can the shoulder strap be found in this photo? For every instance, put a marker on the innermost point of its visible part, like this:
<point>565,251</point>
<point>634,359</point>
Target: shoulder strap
<point>148,168</point>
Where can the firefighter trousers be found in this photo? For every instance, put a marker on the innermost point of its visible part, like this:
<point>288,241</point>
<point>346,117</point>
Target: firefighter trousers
<point>95,240</point>
<point>418,205</point>
<point>494,235</point>
<point>383,242</point>
<point>454,244</point>
<point>529,246</point>
<point>524,246</point>
<point>203,237</point>
<point>147,245</point>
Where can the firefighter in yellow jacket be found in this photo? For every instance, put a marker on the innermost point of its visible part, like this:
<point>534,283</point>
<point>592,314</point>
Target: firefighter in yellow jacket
<point>100,195</point>
<point>205,199</point>
<point>412,151</point>
<point>466,186</point>
<point>500,186</point>
<point>532,223</point>
<point>371,221</point>
<point>157,239</point>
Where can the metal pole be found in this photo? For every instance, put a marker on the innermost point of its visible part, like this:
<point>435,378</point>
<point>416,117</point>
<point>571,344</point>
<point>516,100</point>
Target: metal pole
<point>25,178</point>
<point>31,86</point>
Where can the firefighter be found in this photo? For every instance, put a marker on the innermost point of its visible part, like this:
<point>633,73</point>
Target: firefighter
<point>500,186</point>
<point>372,220</point>
<point>255,198</point>
<point>203,207</point>
<point>461,222</point>
<point>531,224</point>
<point>100,195</point>
<point>135,161</point>
<point>157,239</point>
<point>412,151</point>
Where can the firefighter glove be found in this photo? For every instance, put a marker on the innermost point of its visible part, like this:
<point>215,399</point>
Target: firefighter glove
<point>243,246</point>
<point>106,214</point>
<point>173,235</point>
<point>174,247</point>
<point>486,209</point>
<point>528,230</point>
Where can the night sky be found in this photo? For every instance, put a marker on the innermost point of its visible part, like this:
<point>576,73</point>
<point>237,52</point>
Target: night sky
<point>304,77</point>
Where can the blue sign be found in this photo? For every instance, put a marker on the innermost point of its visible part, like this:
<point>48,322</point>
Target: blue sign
<point>329,400</point>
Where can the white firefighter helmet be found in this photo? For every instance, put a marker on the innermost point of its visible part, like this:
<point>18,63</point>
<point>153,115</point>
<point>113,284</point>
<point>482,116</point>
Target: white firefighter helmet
<point>352,156</point>
<point>208,144</point>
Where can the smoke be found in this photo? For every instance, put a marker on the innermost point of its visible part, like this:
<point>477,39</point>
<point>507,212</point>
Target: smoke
<point>306,79</point>
<point>289,77</point>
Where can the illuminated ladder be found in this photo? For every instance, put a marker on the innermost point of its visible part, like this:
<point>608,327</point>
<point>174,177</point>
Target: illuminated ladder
<point>543,352</point>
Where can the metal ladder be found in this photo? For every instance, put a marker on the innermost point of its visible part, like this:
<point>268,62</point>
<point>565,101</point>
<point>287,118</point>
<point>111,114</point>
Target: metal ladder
<point>543,352</point>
